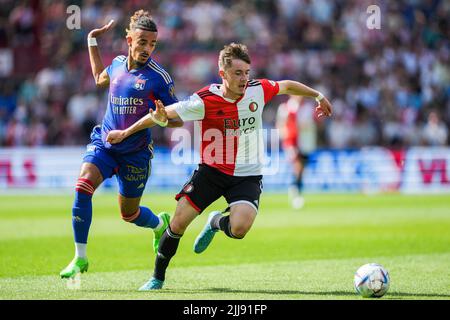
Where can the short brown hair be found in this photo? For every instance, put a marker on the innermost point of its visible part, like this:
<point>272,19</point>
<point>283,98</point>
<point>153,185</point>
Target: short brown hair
<point>142,20</point>
<point>233,51</point>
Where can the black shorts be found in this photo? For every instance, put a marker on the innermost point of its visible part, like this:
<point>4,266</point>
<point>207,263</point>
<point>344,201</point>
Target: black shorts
<point>208,184</point>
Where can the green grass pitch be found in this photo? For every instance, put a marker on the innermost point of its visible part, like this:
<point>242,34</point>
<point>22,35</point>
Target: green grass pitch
<point>307,254</point>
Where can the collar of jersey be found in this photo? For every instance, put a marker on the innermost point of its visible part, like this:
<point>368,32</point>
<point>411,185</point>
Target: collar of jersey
<point>215,88</point>
<point>136,70</point>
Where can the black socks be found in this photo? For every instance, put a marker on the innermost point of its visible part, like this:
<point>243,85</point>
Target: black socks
<point>225,226</point>
<point>167,248</point>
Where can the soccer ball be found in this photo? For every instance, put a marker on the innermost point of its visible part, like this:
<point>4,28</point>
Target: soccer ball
<point>371,280</point>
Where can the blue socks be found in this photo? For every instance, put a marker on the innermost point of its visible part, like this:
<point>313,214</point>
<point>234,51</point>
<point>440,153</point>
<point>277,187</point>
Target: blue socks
<point>146,218</point>
<point>82,212</point>
<point>81,216</point>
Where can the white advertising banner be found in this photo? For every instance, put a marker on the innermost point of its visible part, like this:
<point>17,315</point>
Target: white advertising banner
<point>39,167</point>
<point>426,170</point>
<point>371,169</point>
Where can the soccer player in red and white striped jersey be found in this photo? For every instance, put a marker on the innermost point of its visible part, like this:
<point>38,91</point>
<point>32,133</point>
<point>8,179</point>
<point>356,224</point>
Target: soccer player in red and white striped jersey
<point>230,117</point>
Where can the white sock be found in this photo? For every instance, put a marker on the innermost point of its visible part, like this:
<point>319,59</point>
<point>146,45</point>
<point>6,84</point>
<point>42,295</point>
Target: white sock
<point>160,224</point>
<point>80,250</point>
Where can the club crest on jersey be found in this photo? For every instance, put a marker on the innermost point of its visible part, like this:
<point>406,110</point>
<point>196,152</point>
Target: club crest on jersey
<point>253,106</point>
<point>140,84</point>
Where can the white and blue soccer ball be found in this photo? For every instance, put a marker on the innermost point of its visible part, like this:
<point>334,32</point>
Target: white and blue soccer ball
<point>372,280</point>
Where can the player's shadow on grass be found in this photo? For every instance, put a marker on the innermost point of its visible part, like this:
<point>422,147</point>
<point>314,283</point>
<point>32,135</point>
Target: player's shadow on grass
<point>407,294</point>
<point>397,295</point>
<point>393,295</point>
<point>269,292</point>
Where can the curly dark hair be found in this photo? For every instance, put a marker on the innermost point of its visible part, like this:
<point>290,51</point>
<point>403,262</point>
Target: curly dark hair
<point>142,20</point>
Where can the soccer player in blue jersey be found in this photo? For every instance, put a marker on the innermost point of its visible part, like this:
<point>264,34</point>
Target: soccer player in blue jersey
<point>135,81</point>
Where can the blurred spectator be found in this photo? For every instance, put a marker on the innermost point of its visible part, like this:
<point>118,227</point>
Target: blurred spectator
<point>381,82</point>
<point>8,98</point>
<point>434,132</point>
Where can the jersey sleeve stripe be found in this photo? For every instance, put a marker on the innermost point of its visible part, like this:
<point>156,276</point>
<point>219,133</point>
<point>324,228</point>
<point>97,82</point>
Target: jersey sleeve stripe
<point>205,94</point>
<point>167,79</point>
<point>253,82</point>
<point>153,63</point>
<point>204,97</point>
<point>120,58</point>
<point>203,91</point>
<point>161,71</point>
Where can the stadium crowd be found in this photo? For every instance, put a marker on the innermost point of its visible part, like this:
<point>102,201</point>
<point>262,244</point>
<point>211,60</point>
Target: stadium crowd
<point>388,86</point>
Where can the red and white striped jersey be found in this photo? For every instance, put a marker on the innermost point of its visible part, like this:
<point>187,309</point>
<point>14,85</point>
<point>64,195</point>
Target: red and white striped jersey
<point>231,130</point>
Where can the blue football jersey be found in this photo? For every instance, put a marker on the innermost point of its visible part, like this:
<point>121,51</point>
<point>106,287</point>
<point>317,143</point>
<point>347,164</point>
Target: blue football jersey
<point>131,95</point>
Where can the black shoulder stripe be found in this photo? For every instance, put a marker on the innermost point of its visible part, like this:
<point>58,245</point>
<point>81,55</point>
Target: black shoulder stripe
<point>254,82</point>
<point>205,94</point>
<point>205,97</point>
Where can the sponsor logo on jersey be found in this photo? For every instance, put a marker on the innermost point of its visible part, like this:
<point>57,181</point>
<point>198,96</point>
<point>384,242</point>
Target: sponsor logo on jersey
<point>126,101</point>
<point>140,84</point>
<point>238,123</point>
<point>253,106</point>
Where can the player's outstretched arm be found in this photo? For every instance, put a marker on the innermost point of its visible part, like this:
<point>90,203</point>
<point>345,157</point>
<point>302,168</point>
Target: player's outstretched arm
<point>98,70</point>
<point>161,116</point>
<point>117,136</point>
<point>299,89</point>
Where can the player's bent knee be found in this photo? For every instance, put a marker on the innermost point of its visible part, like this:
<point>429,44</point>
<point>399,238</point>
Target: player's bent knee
<point>239,232</point>
<point>178,226</point>
<point>85,186</point>
<point>90,172</point>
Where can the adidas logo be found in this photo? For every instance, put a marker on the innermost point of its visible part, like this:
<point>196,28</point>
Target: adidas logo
<point>220,113</point>
<point>141,186</point>
<point>77,219</point>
